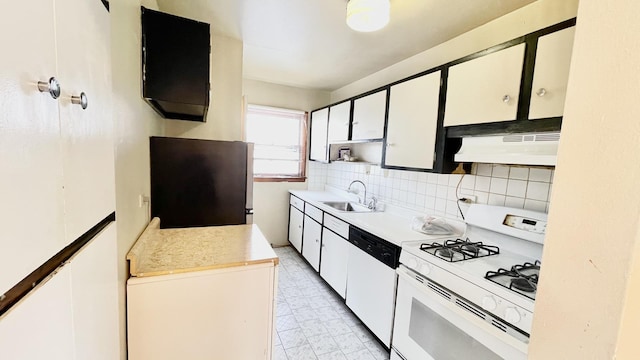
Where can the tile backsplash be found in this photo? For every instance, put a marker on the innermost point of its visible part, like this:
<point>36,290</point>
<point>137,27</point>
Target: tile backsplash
<point>513,186</point>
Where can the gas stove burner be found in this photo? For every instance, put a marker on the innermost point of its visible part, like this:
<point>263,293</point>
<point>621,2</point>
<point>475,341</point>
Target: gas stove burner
<point>523,284</point>
<point>444,252</point>
<point>459,250</point>
<point>521,278</point>
<point>472,248</point>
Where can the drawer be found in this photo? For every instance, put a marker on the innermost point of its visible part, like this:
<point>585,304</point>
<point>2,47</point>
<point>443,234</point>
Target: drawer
<point>297,203</point>
<point>314,212</point>
<point>336,225</point>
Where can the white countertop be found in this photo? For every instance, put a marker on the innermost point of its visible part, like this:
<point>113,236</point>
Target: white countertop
<point>390,225</point>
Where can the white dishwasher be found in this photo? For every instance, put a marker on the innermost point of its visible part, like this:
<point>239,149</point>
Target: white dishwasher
<point>371,281</point>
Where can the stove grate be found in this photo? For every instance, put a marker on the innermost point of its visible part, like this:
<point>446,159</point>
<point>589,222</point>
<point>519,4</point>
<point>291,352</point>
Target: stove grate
<point>459,250</point>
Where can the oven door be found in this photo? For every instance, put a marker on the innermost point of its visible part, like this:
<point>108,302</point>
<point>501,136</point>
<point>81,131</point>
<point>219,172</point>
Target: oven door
<point>428,325</point>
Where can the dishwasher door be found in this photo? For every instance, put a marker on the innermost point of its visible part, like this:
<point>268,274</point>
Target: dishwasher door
<point>371,290</point>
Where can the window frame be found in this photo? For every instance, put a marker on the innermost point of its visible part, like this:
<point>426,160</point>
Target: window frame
<point>302,171</point>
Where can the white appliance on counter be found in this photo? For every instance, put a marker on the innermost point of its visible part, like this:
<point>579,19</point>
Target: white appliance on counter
<point>470,298</point>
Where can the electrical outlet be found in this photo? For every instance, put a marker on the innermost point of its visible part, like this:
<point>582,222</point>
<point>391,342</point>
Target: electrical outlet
<point>470,199</point>
<point>142,200</point>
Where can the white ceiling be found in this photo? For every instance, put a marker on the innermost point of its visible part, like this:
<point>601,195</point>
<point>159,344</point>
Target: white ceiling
<point>306,43</point>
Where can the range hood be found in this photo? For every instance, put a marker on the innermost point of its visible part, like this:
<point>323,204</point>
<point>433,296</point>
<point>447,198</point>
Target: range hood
<point>520,149</point>
<point>175,65</point>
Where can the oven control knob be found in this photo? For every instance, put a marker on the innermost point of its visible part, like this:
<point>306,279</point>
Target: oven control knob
<point>412,263</point>
<point>512,315</point>
<point>489,303</point>
<point>425,269</point>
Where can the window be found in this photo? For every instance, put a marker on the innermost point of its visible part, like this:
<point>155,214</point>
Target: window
<point>279,136</point>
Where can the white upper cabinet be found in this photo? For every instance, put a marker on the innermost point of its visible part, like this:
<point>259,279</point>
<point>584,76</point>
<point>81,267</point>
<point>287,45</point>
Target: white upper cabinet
<point>339,122</point>
<point>368,116</point>
<point>485,89</point>
<point>551,74</point>
<point>32,197</point>
<point>413,122</point>
<point>84,64</point>
<point>318,140</point>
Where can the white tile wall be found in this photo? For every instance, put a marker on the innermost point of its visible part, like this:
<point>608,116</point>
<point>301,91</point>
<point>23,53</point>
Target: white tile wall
<point>513,186</point>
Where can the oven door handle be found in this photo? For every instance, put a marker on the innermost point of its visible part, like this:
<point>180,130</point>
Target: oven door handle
<point>421,286</point>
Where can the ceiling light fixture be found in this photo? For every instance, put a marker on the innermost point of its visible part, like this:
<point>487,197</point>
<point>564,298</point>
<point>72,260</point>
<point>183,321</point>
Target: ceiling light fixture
<point>367,15</point>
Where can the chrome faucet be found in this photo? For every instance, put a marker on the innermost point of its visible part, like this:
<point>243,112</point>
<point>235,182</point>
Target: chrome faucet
<point>364,200</point>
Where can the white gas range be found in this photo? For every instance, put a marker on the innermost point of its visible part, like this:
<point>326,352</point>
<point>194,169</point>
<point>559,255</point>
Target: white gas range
<point>471,296</point>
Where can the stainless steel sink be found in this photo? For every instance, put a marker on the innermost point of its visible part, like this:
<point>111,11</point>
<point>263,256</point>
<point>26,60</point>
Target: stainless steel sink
<point>347,206</point>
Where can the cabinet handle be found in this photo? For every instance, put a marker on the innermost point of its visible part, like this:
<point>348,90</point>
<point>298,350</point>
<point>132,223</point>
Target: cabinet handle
<point>506,99</point>
<point>541,92</point>
<point>356,122</point>
<point>80,100</point>
<point>52,87</point>
<point>299,226</point>
<point>317,240</point>
<point>346,123</point>
<point>390,144</point>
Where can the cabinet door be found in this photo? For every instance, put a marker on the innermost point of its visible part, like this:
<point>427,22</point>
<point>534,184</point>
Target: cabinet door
<point>339,116</point>
<point>94,275</point>
<point>485,89</point>
<point>318,143</point>
<point>295,228</point>
<point>40,326</point>
<point>551,74</point>
<point>335,255</point>
<point>32,200</point>
<point>311,238</point>
<point>368,116</point>
<point>84,62</point>
<point>413,122</point>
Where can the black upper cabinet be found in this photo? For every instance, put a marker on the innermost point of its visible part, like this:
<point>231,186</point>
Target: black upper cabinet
<point>175,65</point>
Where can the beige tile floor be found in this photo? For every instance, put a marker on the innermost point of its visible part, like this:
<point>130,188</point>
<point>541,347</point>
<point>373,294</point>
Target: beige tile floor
<point>312,321</point>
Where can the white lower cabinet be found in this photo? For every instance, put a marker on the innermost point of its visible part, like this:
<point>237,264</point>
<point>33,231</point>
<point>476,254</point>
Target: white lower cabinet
<point>225,313</point>
<point>296,218</point>
<point>311,237</point>
<point>371,292</point>
<point>335,255</point>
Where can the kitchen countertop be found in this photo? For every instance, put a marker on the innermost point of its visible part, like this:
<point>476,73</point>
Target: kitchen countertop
<point>394,227</point>
<point>171,251</point>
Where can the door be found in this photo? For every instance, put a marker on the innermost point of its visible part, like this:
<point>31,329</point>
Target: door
<point>296,218</point>
<point>551,74</point>
<point>339,116</point>
<point>318,139</point>
<point>94,277</point>
<point>428,325</point>
<point>371,290</point>
<point>312,234</point>
<point>40,326</point>
<point>84,63</point>
<point>485,89</point>
<point>31,160</point>
<point>335,255</point>
<point>198,182</point>
<point>413,122</point>
<point>368,116</point>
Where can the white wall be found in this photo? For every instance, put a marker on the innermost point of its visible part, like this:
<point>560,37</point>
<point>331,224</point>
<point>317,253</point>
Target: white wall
<point>134,122</point>
<point>271,199</point>
<point>530,18</point>
<point>225,105</point>
<point>589,285</point>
